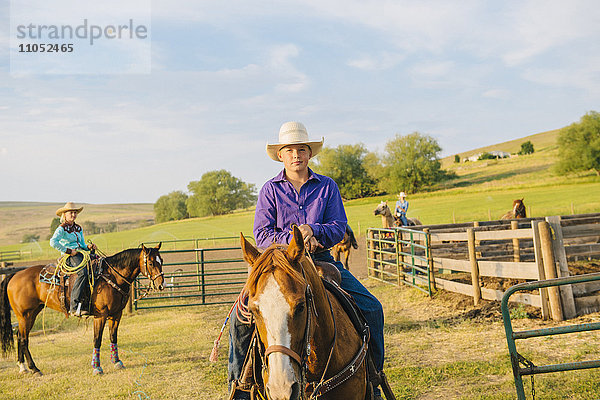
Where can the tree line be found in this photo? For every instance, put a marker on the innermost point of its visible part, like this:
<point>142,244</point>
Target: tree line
<point>409,163</point>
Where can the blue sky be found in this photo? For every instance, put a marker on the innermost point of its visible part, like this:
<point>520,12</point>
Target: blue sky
<point>225,75</point>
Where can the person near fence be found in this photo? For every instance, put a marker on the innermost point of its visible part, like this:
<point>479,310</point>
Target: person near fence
<point>68,239</point>
<point>313,202</point>
<point>402,208</point>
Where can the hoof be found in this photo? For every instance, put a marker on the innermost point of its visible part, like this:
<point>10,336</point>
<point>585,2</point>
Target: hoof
<point>97,371</point>
<point>119,365</point>
<point>37,373</point>
<point>23,368</point>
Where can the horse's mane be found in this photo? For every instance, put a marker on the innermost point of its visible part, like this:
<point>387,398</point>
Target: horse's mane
<point>273,258</point>
<point>125,257</point>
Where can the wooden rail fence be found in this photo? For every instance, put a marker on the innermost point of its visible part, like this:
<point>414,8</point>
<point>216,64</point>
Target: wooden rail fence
<point>523,250</point>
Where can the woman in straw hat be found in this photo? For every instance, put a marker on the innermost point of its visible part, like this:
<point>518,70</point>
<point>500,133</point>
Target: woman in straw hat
<point>299,196</point>
<point>402,208</point>
<point>68,239</point>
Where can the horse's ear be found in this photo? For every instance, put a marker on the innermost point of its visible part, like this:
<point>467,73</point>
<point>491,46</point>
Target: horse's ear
<point>143,247</point>
<point>158,246</point>
<point>250,252</point>
<point>296,248</point>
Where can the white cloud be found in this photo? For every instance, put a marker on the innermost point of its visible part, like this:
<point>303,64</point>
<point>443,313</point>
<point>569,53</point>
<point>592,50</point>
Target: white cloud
<point>379,62</point>
<point>501,94</point>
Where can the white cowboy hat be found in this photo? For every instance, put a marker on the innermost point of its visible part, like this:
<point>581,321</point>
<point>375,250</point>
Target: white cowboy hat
<point>401,195</point>
<point>68,207</point>
<point>293,133</point>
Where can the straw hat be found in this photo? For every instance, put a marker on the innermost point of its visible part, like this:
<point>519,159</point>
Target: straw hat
<point>68,207</point>
<point>401,195</point>
<point>293,133</point>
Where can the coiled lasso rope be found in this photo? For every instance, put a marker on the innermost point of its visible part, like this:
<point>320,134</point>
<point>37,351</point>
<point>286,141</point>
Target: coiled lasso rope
<point>63,267</point>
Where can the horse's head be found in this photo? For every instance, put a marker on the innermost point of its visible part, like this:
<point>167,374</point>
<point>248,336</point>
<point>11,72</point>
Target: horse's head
<point>281,301</point>
<point>519,209</point>
<point>151,266</point>
<point>382,209</point>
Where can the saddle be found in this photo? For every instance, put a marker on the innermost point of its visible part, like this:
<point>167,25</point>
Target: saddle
<point>64,283</point>
<point>251,377</point>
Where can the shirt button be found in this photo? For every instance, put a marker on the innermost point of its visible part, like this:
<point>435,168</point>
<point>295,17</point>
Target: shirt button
<point>301,207</point>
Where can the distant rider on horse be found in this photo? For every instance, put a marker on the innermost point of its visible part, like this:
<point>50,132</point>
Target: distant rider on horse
<point>68,239</point>
<point>401,209</point>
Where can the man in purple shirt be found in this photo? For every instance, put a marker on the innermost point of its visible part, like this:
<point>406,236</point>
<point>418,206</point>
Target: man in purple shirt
<point>299,196</point>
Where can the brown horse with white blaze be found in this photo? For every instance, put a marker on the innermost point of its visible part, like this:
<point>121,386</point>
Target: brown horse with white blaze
<point>518,211</point>
<point>26,295</point>
<point>307,336</point>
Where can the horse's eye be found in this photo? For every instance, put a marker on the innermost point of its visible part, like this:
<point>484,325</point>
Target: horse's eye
<point>299,309</point>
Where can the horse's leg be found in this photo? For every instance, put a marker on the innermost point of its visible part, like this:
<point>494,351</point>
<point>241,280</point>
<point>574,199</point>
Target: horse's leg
<point>347,256</point>
<point>113,325</point>
<point>98,328</point>
<point>25,326</point>
<point>20,345</point>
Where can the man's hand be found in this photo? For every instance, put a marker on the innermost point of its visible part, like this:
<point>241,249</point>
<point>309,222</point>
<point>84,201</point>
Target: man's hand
<point>306,232</point>
<point>312,245</point>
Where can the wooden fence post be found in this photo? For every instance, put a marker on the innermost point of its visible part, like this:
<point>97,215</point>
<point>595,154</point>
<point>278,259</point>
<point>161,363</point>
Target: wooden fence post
<point>537,251</point>
<point>477,242</point>
<point>474,267</point>
<point>560,257</point>
<point>550,270</point>
<point>516,250</point>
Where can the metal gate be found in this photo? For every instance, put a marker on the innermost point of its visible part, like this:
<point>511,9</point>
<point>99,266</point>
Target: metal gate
<point>530,368</point>
<point>196,276</point>
<point>400,256</point>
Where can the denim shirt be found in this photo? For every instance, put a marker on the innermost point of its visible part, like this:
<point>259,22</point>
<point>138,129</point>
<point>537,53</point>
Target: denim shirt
<point>318,204</point>
<point>63,240</point>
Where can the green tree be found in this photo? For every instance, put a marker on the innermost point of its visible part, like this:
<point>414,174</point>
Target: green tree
<point>579,145</point>
<point>412,162</point>
<point>526,148</point>
<point>53,225</point>
<point>345,165</point>
<point>171,207</point>
<point>456,158</point>
<point>30,238</point>
<point>218,193</point>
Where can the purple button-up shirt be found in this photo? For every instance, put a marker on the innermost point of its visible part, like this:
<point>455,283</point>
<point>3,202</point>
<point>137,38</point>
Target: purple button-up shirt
<point>318,204</point>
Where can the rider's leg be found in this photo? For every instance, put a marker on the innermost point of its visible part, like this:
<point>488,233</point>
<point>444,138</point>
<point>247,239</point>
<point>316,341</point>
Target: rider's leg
<point>240,336</point>
<point>78,292</point>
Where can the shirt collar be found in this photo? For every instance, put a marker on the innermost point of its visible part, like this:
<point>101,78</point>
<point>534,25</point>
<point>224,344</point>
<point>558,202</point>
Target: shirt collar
<point>280,177</point>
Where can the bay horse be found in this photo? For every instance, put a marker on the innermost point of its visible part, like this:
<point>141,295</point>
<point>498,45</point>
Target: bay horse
<point>388,220</point>
<point>518,211</point>
<point>306,334</point>
<point>343,247</point>
<point>26,295</point>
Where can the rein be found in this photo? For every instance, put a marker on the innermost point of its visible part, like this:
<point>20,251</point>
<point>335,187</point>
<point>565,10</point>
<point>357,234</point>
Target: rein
<point>129,283</point>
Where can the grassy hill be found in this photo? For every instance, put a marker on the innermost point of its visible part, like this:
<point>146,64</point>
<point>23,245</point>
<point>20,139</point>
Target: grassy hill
<point>483,190</point>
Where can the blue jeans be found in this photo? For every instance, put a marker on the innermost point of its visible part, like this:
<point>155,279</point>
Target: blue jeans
<point>403,219</point>
<point>240,334</point>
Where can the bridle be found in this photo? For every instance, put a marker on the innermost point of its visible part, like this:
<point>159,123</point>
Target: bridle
<point>147,274</point>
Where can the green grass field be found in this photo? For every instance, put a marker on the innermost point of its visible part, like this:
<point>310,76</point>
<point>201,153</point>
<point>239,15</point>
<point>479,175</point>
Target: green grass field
<point>433,352</point>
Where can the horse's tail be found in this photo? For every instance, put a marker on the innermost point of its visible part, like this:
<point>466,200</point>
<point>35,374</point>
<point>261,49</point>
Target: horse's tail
<point>6,331</point>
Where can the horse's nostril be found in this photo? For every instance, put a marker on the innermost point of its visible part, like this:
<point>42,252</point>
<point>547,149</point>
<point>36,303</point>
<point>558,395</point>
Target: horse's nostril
<point>160,287</point>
